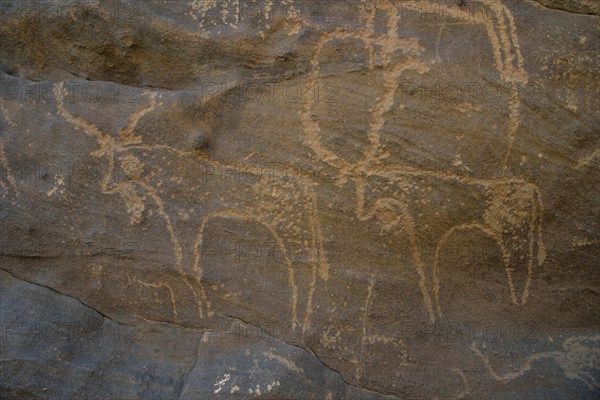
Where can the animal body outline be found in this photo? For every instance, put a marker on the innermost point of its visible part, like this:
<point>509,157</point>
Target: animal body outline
<point>127,140</point>
<point>509,63</point>
<point>392,212</point>
<point>511,70</point>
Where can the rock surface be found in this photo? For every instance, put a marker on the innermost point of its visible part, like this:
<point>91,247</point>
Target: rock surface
<point>292,199</point>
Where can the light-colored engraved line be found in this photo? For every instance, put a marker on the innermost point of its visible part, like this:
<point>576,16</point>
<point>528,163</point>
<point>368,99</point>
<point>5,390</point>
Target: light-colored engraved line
<point>198,291</point>
<point>289,364</point>
<point>318,242</point>
<point>510,41</point>
<point>312,128</point>
<point>501,45</point>
<point>365,326</point>
<point>111,144</point>
<point>108,147</point>
<point>9,174</point>
<point>160,285</point>
<point>535,227</point>
<point>509,63</point>
<point>466,388</point>
<point>514,71</point>
<point>526,193</point>
<point>587,160</point>
<point>495,42</point>
<point>392,32</point>
<point>176,245</point>
<point>514,74</point>
<point>505,47</point>
<point>409,226</point>
<point>397,173</point>
<point>318,236</point>
<point>126,133</point>
<point>222,166</point>
<point>533,221</point>
<point>376,338</point>
<point>514,120</point>
<point>505,42</point>
<point>293,21</point>
<point>268,8</point>
<point>541,253</point>
<point>368,12</point>
<point>391,76</point>
<point>122,189</point>
<point>533,224</point>
<point>438,41</point>
<point>406,222</point>
<point>269,193</point>
<point>571,364</point>
<point>236,13</point>
<point>320,266</point>
<point>174,150</point>
<point>127,142</point>
<point>400,172</point>
<point>239,215</point>
<point>161,211</point>
<point>203,6</point>
<point>467,226</point>
<point>6,114</point>
<point>511,375</point>
<point>514,101</point>
<point>386,103</point>
<point>105,182</point>
<point>466,16</point>
<point>520,69</point>
<point>88,128</point>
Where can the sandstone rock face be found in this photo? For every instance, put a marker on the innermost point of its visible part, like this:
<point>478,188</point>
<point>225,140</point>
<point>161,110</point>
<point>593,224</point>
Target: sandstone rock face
<point>289,199</point>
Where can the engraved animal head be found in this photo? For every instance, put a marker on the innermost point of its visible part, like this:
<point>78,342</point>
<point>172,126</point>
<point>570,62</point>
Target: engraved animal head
<point>395,56</point>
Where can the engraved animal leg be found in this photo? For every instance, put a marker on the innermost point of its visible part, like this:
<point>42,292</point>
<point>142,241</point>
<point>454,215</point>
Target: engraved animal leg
<point>534,238</point>
<point>395,215</point>
<point>241,216</point>
<point>320,266</point>
<point>465,227</point>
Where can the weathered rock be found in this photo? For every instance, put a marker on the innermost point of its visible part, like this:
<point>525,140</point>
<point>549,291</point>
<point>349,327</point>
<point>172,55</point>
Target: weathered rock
<point>286,199</point>
<point>574,6</point>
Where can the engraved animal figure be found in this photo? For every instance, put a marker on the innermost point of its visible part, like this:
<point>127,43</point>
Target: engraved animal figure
<point>285,207</point>
<point>578,358</point>
<point>511,208</point>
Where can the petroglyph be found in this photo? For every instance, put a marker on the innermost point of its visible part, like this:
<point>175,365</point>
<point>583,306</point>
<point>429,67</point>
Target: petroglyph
<point>510,204</point>
<point>464,392</point>
<point>158,285</point>
<point>283,361</point>
<point>365,329</point>
<point>510,208</point>
<point>466,389</point>
<point>502,33</point>
<point>287,209</point>
<point>587,160</point>
<point>578,360</point>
